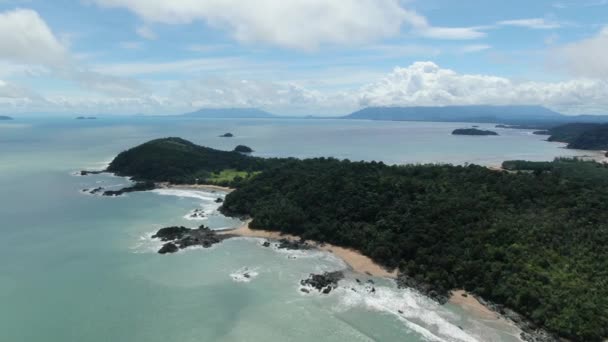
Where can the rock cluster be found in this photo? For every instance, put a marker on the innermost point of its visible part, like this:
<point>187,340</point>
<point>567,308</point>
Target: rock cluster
<point>404,281</point>
<point>181,237</point>
<point>323,283</point>
<point>293,244</point>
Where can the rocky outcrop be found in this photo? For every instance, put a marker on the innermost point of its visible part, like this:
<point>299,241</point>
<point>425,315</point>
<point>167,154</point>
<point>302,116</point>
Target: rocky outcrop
<point>294,244</point>
<point>86,173</point>
<point>323,283</point>
<point>197,214</point>
<point>181,237</point>
<point>227,135</point>
<point>139,186</point>
<point>405,281</point>
<point>93,191</point>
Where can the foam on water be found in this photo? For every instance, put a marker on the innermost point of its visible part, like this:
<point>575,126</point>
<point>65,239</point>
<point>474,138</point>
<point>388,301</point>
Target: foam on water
<point>206,196</point>
<point>414,310</point>
<point>331,262</point>
<point>146,244</point>
<point>244,275</point>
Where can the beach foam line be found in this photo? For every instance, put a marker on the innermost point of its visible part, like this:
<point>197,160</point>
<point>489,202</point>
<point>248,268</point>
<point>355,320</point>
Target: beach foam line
<point>184,193</point>
<point>244,274</point>
<point>417,312</point>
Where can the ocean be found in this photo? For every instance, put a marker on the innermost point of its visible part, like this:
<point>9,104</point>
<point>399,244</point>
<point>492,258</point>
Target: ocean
<point>79,267</point>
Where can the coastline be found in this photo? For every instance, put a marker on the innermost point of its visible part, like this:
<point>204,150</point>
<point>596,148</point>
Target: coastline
<point>355,260</point>
<point>364,265</point>
<point>211,187</point>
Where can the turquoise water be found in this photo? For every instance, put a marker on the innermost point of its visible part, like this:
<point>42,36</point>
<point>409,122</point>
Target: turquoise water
<point>78,267</point>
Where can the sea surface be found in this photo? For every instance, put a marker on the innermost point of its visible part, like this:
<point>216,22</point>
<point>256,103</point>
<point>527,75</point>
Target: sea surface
<point>80,267</point>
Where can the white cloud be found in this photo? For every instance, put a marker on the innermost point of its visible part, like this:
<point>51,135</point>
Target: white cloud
<point>298,24</point>
<point>426,84</point>
<point>585,58</point>
<point>146,33</point>
<point>26,39</point>
<point>420,84</point>
<point>532,23</point>
<point>474,48</point>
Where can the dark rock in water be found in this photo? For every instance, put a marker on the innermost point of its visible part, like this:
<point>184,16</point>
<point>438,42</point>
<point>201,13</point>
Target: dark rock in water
<point>170,233</point>
<point>219,200</point>
<point>325,282</point>
<point>168,248</point>
<point>438,295</point>
<point>182,237</point>
<point>304,290</point>
<point>293,244</point>
<point>139,186</point>
<point>399,311</point>
<point>86,173</point>
<point>197,214</point>
<point>227,135</point>
<point>266,244</point>
<point>93,191</point>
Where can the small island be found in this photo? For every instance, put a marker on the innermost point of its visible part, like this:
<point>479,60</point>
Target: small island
<point>86,118</point>
<point>4,117</point>
<point>472,131</point>
<point>243,149</point>
<point>227,135</point>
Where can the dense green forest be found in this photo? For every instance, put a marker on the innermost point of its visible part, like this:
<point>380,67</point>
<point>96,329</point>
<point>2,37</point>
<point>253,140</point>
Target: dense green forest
<point>472,131</point>
<point>583,136</point>
<point>534,241</point>
<point>534,237</point>
<point>179,161</point>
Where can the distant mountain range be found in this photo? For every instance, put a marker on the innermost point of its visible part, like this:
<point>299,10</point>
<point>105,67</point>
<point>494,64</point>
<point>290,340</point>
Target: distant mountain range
<point>522,116</point>
<point>230,113</point>
<point>513,115</point>
<point>4,117</point>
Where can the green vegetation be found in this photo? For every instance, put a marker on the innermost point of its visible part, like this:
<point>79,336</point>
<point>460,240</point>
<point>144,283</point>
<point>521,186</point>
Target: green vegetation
<point>179,161</point>
<point>534,238</point>
<point>582,136</point>
<point>230,177</point>
<point>243,149</point>
<point>472,131</point>
<point>536,242</point>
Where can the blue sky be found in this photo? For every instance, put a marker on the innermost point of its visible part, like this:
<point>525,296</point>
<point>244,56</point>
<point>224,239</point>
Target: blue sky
<point>320,57</point>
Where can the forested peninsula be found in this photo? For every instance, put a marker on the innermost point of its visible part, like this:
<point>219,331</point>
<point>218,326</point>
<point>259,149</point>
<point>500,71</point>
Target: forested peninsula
<point>582,136</point>
<point>533,237</point>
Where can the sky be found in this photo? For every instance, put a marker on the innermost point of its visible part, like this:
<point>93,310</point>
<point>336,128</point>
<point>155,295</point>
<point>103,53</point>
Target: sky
<point>300,57</point>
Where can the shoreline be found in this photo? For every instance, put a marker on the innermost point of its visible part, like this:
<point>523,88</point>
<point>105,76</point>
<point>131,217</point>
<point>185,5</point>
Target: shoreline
<point>166,185</point>
<point>357,262</point>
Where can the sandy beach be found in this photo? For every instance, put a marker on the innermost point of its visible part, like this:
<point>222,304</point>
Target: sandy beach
<point>194,186</point>
<point>357,261</point>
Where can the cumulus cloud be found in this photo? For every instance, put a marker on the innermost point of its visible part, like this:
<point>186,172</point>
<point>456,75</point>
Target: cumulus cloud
<point>26,39</point>
<point>299,24</point>
<point>420,84</point>
<point>426,84</point>
<point>585,58</point>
